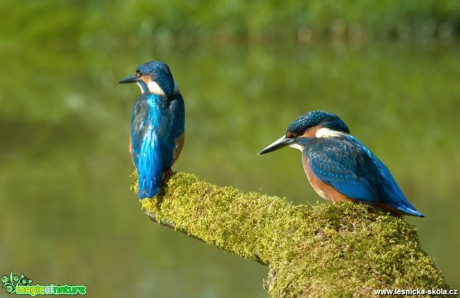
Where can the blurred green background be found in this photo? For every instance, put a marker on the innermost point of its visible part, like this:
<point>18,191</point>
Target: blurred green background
<point>390,69</point>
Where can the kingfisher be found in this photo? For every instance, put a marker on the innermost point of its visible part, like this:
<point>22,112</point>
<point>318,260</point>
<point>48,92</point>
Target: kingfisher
<point>157,125</point>
<point>339,167</point>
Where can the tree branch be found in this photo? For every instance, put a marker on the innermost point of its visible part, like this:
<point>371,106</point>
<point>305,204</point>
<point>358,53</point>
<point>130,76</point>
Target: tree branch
<point>322,250</point>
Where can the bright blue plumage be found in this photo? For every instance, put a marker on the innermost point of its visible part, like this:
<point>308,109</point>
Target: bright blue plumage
<point>339,166</point>
<point>157,125</point>
<point>342,163</point>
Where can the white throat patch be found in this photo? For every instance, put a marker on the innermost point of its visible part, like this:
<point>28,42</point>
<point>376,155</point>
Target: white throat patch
<point>296,146</point>
<point>155,88</point>
<point>328,133</point>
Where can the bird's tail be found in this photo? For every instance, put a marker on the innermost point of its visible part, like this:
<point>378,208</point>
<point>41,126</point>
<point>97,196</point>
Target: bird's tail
<point>410,211</point>
<point>148,187</point>
<point>392,195</point>
<point>150,176</point>
<point>395,197</point>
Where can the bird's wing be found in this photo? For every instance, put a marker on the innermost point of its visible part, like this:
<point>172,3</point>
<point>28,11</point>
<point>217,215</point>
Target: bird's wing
<point>147,148</point>
<point>391,194</point>
<point>139,128</point>
<point>151,164</point>
<point>177,112</point>
<point>346,165</point>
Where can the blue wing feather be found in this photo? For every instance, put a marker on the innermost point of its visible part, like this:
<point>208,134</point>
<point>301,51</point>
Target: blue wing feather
<point>146,144</point>
<point>177,112</point>
<point>342,164</point>
<point>352,169</point>
<point>150,165</point>
<point>391,193</point>
<point>155,125</point>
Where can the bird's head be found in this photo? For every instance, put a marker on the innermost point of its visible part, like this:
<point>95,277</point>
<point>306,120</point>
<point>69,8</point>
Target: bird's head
<point>154,78</point>
<point>314,124</point>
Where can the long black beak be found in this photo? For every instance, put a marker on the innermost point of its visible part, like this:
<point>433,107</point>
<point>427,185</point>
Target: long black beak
<point>130,79</point>
<point>278,144</point>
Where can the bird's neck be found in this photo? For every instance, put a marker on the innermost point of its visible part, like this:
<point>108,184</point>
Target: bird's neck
<point>325,132</point>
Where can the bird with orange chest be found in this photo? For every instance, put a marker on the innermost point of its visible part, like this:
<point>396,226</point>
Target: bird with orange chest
<point>157,125</point>
<point>339,167</point>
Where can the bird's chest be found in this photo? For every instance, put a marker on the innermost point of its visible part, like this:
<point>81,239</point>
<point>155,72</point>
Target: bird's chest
<point>316,183</point>
<point>322,188</point>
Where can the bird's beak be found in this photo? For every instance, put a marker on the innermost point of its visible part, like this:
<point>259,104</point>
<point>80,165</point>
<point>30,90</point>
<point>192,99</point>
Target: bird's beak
<point>278,144</point>
<point>130,79</point>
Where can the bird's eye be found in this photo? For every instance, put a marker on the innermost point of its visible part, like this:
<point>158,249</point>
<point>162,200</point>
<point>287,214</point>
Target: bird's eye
<point>137,74</point>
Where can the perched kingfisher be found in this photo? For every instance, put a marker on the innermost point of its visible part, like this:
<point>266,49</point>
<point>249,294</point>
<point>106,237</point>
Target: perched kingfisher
<point>339,167</point>
<point>157,125</point>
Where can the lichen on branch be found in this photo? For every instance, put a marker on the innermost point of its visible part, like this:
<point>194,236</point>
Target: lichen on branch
<point>322,250</point>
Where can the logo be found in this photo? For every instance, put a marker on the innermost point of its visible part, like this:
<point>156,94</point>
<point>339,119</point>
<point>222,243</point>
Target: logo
<point>22,285</point>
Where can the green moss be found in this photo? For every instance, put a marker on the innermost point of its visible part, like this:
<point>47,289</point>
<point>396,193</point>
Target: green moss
<point>321,250</point>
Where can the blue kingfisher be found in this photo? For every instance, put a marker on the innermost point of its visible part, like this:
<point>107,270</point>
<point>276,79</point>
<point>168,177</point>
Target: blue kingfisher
<point>157,125</point>
<point>339,167</point>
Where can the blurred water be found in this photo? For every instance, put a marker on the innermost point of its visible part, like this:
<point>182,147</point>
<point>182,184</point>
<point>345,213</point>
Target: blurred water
<point>68,216</point>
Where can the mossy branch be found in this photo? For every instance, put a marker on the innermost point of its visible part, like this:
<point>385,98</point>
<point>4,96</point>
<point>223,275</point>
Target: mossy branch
<point>322,250</point>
